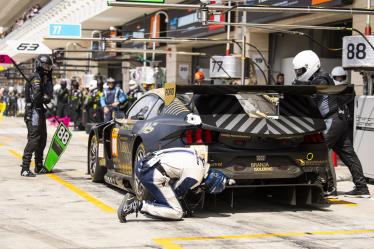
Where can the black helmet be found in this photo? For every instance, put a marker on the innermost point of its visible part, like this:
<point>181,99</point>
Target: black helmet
<point>43,63</point>
<point>74,83</point>
<point>63,84</point>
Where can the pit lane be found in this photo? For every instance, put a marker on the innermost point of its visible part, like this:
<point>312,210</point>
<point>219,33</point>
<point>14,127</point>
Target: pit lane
<point>67,210</point>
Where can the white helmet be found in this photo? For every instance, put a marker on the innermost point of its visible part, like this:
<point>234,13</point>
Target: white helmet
<point>110,80</point>
<point>56,87</point>
<point>11,89</point>
<point>339,76</point>
<point>132,82</point>
<point>305,64</point>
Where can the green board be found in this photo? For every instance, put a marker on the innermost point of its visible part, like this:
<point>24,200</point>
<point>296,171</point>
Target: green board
<point>60,141</point>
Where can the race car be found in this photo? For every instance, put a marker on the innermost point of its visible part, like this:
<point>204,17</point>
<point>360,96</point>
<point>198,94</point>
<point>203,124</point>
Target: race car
<point>259,136</point>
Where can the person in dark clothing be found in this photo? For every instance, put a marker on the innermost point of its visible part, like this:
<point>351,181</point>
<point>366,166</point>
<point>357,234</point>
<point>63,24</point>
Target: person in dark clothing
<point>75,103</point>
<point>280,79</point>
<point>340,77</point>
<point>308,71</point>
<point>38,91</point>
<point>12,102</point>
<point>63,100</point>
<point>93,105</point>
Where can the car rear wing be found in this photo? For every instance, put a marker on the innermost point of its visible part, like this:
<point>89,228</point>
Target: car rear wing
<point>171,89</point>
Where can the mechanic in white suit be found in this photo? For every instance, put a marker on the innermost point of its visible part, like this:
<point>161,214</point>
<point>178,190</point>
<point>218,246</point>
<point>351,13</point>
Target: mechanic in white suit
<point>168,175</point>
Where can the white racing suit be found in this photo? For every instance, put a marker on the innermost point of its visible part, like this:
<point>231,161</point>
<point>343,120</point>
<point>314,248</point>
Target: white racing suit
<point>167,175</point>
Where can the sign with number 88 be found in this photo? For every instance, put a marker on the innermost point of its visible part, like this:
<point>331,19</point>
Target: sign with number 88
<point>63,135</point>
<point>357,53</point>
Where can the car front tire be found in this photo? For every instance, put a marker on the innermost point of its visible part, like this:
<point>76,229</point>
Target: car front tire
<point>96,171</point>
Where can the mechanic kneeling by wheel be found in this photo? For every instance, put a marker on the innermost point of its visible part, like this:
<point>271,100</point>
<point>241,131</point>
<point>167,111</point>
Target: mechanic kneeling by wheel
<point>168,175</point>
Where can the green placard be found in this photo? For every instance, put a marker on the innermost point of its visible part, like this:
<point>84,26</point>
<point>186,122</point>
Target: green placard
<point>60,141</point>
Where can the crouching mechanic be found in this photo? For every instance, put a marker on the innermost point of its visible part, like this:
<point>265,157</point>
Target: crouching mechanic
<point>168,175</point>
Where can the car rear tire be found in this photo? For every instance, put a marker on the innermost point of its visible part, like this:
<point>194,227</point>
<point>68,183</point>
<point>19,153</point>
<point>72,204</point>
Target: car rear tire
<point>139,190</point>
<point>96,171</point>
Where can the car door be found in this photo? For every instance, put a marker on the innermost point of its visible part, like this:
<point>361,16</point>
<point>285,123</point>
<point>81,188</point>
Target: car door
<point>135,118</point>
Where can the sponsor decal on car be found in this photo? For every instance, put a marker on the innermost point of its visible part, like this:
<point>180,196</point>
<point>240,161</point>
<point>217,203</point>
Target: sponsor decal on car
<point>216,164</point>
<point>261,167</point>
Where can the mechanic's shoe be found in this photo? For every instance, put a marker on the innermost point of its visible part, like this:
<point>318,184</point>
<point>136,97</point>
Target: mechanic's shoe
<point>331,192</point>
<point>27,173</point>
<point>358,193</point>
<point>40,169</point>
<point>128,206</point>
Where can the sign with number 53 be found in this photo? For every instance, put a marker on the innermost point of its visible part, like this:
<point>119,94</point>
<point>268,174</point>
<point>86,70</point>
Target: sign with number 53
<point>28,47</point>
<point>357,53</point>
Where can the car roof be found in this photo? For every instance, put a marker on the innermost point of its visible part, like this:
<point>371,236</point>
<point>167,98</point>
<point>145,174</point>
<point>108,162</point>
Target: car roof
<point>160,92</point>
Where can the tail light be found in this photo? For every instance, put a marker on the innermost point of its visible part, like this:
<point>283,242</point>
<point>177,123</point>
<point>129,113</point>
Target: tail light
<point>314,138</point>
<point>198,136</point>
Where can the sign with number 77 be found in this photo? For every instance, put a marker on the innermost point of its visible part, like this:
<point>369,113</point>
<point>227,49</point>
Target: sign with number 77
<point>60,141</point>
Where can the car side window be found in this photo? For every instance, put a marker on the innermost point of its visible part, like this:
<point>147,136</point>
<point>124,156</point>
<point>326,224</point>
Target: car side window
<point>141,108</point>
<point>156,110</point>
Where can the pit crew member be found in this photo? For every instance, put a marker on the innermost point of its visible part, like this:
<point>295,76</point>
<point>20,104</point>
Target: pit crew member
<point>308,71</point>
<point>168,175</point>
<point>38,91</point>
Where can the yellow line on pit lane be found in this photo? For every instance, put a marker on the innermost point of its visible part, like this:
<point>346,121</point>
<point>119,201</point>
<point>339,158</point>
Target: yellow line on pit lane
<point>334,201</point>
<point>170,243</point>
<point>104,207</point>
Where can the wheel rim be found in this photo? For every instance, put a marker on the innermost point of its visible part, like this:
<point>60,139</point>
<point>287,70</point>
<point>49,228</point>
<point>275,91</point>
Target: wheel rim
<point>139,188</point>
<point>93,155</point>
<point>139,156</point>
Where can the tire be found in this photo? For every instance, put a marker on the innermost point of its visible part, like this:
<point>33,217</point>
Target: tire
<point>96,171</point>
<point>139,190</point>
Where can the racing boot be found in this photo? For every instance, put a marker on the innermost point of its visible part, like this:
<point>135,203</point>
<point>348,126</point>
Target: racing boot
<point>128,206</point>
<point>25,171</point>
<point>40,169</point>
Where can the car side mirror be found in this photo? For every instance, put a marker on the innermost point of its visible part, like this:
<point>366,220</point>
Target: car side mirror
<point>140,116</point>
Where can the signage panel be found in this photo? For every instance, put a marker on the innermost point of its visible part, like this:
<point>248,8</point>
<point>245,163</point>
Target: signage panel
<point>5,59</point>
<point>357,53</point>
<point>28,47</point>
<point>274,16</point>
<point>65,30</point>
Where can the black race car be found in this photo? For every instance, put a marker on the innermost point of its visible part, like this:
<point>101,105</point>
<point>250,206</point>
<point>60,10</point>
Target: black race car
<point>257,135</point>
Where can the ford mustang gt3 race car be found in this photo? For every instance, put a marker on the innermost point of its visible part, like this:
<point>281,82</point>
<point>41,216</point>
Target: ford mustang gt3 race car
<point>257,135</point>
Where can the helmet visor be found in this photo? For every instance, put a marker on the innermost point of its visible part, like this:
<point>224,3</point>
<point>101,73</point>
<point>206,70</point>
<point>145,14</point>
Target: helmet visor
<point>46,67</point>
<point>299,72</point>
<point>340,78</point>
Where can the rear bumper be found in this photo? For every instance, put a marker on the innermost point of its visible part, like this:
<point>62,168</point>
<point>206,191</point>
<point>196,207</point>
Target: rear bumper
<point>269,164</point>
<point>292,194</point>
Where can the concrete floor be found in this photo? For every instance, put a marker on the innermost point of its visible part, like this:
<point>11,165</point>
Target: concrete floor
<point>67,210</point>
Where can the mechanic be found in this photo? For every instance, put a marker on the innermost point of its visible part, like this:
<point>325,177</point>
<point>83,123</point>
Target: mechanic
<point>340,77</point>
<point>280,79</point>
<point>168,175</point>
<point>199,77</point>
<point>63,99</point>
<point>96,95</point>
<point>308,71</point>
<point>76,103</point>
<point>111,100</point>
<point>38,91</point>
